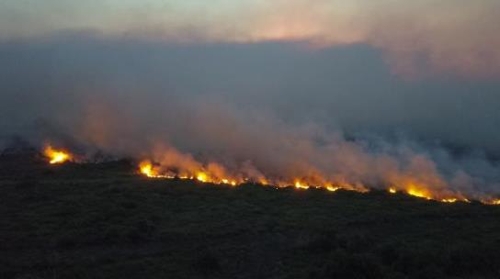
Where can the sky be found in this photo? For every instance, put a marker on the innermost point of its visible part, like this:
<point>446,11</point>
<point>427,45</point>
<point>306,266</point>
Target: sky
<point>412,84</point>
<point>456,36</point>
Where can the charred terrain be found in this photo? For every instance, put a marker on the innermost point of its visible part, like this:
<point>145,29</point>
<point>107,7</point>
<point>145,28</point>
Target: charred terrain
<point>106,221</point>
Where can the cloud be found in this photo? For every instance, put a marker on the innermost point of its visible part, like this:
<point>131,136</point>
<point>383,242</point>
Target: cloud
<point>417,37</point>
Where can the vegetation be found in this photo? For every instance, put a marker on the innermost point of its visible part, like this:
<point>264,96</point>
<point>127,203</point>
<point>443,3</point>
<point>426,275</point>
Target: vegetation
<point>104,221</point>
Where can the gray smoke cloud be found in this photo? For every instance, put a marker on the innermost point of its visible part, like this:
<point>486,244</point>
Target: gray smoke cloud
<point>417,37</point>
<point>266,109</point>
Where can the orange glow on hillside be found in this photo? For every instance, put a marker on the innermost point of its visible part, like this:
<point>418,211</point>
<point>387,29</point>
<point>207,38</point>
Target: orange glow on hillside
<point>202,177</point>
<point>146,168</point>
<point>56,156</point>
<point>491,201</point>
<point>300,185</point>
<point>332,188</point>
<point>419,193</point>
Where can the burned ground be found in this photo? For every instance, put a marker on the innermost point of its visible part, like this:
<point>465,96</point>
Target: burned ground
<point>105,221</point>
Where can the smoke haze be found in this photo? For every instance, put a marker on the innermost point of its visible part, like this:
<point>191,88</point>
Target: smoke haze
<point>267,109</point>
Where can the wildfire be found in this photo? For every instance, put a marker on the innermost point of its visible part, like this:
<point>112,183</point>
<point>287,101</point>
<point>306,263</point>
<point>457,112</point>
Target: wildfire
<point>204,175</point>
<point>232,182</point>
<point>418,192</point>
<point>425,193</point>
<point>216,174</point>
<point>332,188</point>
<point>300,185</point>
<point>491,201</point>
<point>56,156</point>
<point>146,168</point>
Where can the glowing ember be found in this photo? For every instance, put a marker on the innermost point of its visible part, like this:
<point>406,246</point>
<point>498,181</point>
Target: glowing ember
<point>393,190</point>
<point>449,200</point>
<point>56,156</point>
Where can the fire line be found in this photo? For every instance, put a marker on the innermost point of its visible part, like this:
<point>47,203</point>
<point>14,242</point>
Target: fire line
<point>149,170</point>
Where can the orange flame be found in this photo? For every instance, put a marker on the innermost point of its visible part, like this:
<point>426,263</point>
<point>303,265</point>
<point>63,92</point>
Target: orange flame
<point>202,177</point>
<point>300,185</point>
<point>419,193</point>
<point>56,156</point>
<point>146,168</point>
<point>332,188</point>
<point>449,200</point>
<point>491,201</point>
<point>216,174</point>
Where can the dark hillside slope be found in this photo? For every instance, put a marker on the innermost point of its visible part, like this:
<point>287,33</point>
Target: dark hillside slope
<point>103,221</point>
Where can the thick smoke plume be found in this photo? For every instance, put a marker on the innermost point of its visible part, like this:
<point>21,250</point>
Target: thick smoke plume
<point>232,117</point>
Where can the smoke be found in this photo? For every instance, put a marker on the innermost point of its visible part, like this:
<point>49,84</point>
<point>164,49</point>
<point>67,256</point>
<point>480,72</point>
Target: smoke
<point>227,142</point>
<point>253,111</point>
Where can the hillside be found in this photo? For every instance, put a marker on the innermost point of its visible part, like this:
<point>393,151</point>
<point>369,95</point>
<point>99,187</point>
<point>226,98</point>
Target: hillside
<point>105,221</point>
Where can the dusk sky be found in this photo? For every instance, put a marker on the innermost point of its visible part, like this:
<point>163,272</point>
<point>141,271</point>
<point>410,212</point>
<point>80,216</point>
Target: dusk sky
<point>249,78</point>
<point>452,35</point>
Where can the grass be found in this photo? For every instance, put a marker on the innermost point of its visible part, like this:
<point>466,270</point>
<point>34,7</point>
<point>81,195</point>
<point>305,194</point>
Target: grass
<point>103,221</point>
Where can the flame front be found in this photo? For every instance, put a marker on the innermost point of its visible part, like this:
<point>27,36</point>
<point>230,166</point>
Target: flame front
<point>217,174</point>
<point>57,156</point>
<point>491,201</point>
